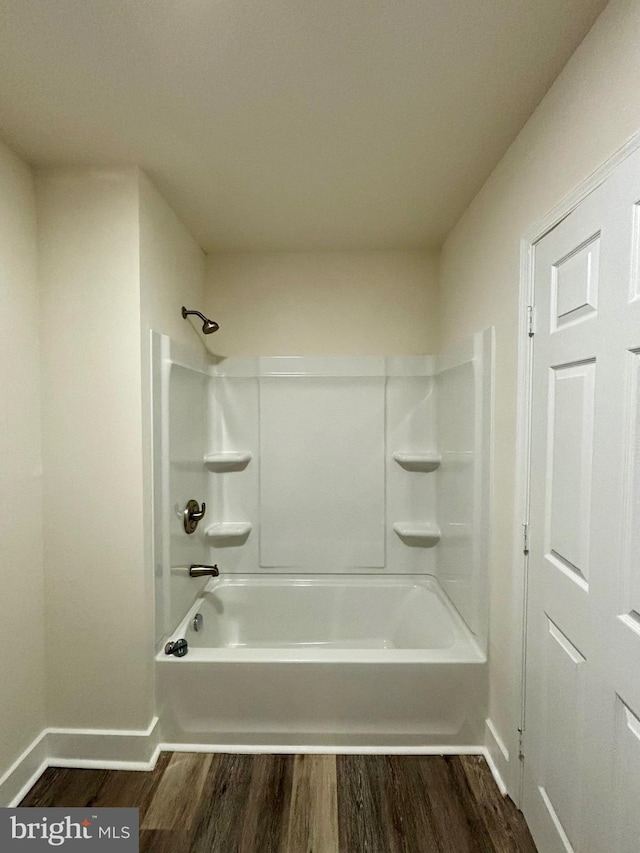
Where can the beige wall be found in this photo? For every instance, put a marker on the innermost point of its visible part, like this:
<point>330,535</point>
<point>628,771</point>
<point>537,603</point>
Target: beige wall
<point>590,112</point>
<point>22,684</point>
<point>98,666</point>
<point>172,269</point>
<point>317,303</point>
<point>114,263</point>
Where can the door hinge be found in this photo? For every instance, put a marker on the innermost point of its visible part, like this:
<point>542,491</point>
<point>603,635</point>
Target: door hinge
<point>525,538</point>
<point>531,313</point>
<point>521,744</point>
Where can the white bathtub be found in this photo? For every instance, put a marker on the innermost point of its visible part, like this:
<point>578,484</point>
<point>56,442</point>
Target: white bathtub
<point>360,661</point>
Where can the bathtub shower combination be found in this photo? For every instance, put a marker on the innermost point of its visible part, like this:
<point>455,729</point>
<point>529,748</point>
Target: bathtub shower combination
<point>345,507</point>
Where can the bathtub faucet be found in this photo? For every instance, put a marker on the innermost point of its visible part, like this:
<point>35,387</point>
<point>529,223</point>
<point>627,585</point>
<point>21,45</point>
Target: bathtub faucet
<point>199,571</point>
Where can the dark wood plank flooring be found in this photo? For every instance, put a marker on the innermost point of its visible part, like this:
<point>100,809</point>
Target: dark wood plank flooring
<point>220,803</point>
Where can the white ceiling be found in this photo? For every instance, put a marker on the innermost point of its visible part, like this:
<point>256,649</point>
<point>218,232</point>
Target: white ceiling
<point>287,124</point>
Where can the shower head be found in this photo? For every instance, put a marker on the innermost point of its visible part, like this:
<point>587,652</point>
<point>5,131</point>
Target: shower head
<point>208,326</point>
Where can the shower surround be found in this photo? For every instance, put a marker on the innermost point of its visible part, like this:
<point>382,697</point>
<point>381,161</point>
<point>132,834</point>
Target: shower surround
<point>347,508</point>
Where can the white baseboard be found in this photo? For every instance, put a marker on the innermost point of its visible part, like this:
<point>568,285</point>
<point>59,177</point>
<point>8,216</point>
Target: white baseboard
<point>108,749</point>
<point>104,749</point>
<point>322,749</point>
<point>497,755</point>
<point>100,749</point>
<point>24,772</point>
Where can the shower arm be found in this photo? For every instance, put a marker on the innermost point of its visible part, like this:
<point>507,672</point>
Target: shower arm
<point>186,313</point>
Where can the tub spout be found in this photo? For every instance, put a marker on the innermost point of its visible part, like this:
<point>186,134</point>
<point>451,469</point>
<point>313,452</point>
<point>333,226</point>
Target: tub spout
<point>199,571</point>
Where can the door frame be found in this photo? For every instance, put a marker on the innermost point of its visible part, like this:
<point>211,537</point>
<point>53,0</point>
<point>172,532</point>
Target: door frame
<point>515,767</point>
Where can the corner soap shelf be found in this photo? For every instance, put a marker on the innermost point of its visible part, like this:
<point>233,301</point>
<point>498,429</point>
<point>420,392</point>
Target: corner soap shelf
<point>418,461</point>
<point>228,460</point>
<point>412,533</point>
<point>226,530</point>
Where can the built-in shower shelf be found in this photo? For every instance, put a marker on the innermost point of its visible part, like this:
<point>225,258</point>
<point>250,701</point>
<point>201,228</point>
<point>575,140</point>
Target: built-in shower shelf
<point>228,530</point>
<point>424,535</point>
<point>228,460</point>
<point>418,461</point>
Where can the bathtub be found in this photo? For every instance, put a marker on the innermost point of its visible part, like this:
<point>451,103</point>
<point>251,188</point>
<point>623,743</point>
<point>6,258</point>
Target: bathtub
<point>323,661</point>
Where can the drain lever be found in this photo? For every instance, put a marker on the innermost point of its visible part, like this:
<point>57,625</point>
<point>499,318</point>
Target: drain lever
<point>178,649</point>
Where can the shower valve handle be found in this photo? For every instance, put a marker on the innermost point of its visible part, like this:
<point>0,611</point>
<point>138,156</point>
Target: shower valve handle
<point>192,514</point>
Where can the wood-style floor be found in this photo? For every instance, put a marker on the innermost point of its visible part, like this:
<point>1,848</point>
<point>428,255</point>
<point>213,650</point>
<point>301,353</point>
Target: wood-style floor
<point>205,803</point>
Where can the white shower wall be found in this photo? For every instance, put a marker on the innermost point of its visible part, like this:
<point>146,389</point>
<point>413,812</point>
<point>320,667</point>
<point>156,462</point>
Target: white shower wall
<point>179,378</point>
<point>464,384</point>
<point>329,465</point>
<point>321,484</point>
<point>321,470</point>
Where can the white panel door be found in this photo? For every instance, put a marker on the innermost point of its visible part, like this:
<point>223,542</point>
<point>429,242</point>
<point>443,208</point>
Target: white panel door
<point>582,720</point>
